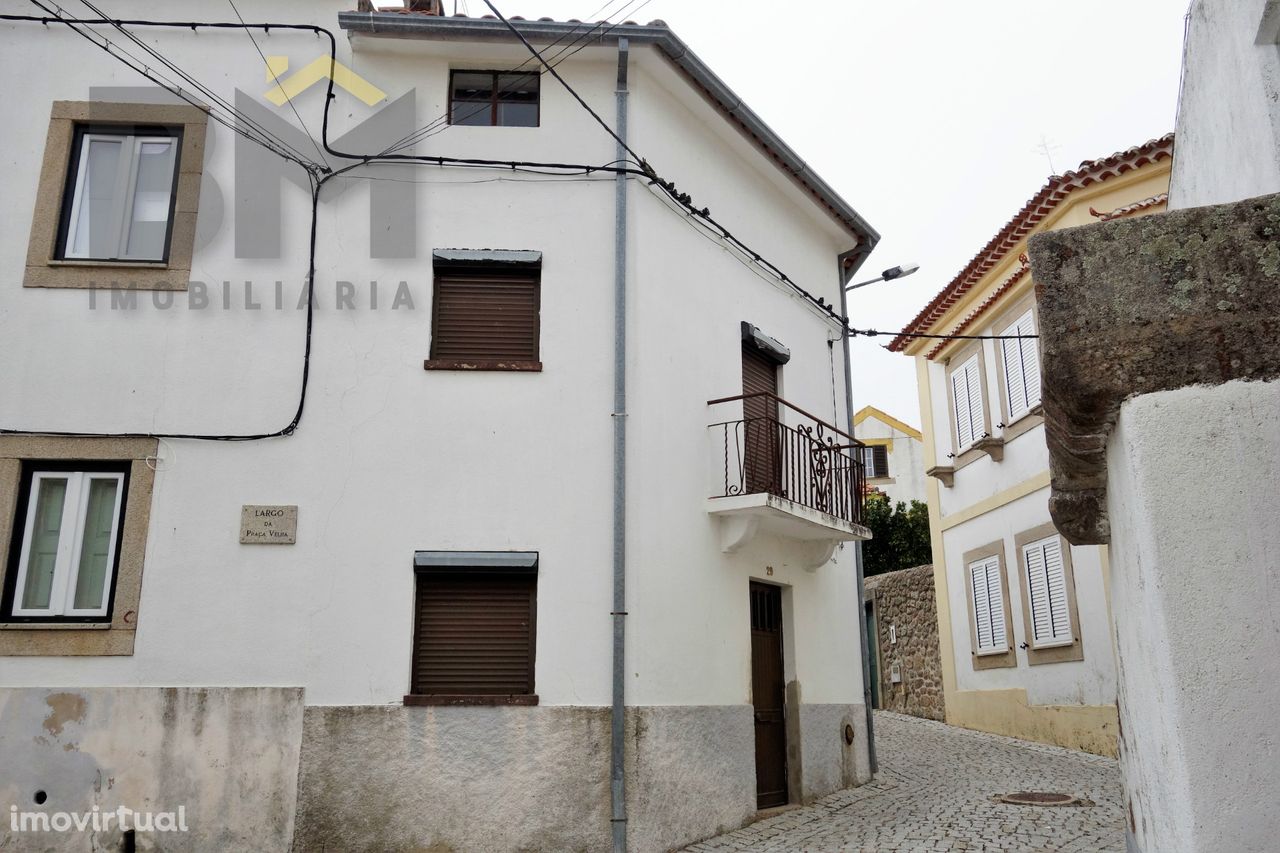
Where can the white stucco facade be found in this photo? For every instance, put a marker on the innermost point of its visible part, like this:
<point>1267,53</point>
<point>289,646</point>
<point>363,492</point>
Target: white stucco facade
<point>1228,123</point>
<point>1197,643</point>
<point>390,459</point>
<point>986,460</point>
<point>903,443</point>
<point>992,501</point>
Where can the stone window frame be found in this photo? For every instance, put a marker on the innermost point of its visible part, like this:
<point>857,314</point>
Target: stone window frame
<point>1034,417</point>
<point>973,452</point>
<point>1009,657</point>
<point>1051,654</point>
<point>61,639</point>
<point>45,269</point>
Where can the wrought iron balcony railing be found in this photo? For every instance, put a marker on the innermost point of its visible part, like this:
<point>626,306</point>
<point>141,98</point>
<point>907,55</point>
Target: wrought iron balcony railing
<point>780,449</point>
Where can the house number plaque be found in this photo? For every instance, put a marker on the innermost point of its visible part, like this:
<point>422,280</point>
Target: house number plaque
<point>268,525</point>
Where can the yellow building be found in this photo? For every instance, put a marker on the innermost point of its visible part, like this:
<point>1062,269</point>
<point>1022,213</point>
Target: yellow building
<point>1024,618</point>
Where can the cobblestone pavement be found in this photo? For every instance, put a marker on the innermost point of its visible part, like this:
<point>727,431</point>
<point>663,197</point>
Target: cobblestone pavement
<point>934,792</point>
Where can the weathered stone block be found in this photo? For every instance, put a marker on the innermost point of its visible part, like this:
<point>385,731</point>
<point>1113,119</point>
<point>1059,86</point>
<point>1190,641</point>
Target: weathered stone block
<point>1135,306</point>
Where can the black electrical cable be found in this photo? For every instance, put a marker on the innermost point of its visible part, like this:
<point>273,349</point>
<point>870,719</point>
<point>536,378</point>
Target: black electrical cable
<point>318,183</point>
<point>444,122</point>
<point>556,74</point>
<point>275,76</point>
<point>120,53</point>
<point>267,138</point>
<point>872,333</point>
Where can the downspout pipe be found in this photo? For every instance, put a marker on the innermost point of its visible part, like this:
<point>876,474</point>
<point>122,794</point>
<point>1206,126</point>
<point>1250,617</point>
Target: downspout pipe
<point>618,739</point>
<point>849,263</point>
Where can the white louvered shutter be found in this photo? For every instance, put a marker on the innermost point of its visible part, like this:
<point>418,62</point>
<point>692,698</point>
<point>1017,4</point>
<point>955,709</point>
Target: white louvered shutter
<point>1047,591</point>
<point>988,605</point>
<point>966,396</point>
<point>1021,367</point>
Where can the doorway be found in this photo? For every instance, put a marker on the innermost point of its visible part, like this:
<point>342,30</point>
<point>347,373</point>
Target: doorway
<point>768,695</point>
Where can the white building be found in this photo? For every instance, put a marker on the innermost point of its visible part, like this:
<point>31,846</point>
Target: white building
<point>1194,581</point>
<point>394,626</point>
<point>1228,120</point>
<point>1024,617</point>
<point>894,456</point>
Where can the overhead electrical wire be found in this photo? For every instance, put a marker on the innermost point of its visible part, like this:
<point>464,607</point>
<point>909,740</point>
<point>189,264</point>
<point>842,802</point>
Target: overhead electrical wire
<point>322,174</point>
<point>244,125</point>
<point>404,141</point>
<point>444,121</point>
<point>319,175</point>
<point>275,77</point>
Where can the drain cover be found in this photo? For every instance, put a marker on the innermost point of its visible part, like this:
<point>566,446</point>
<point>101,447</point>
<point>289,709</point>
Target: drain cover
<point>1040,798</point>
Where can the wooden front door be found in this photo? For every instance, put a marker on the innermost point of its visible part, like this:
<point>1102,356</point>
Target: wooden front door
<point>760,455</point>
<point>768,695</point>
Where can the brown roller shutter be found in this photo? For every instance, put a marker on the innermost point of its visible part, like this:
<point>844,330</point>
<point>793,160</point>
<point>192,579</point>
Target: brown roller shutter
<point>482,315</point>
<point>760,450</point>
<point>474,634</point>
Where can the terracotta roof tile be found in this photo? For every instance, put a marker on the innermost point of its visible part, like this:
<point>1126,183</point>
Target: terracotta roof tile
<point>1033,212</point>
<point>1130,208</point>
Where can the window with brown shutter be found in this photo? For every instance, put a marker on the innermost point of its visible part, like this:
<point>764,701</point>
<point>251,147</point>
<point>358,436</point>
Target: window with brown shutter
<point>474,634</point>
<point>876,457</point>
<point>485,317</point>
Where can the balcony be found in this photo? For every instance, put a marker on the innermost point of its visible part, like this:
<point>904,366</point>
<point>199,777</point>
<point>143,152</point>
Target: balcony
<point>783,472</point>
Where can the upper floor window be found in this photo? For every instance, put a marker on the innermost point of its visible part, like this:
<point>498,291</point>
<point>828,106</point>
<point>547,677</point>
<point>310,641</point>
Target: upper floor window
<point>494,98</point>
<point>119,197</point>
<point>876,460</point>
<point>966,402</point>
<point>68,530</point>
<point>1021,367</point>
<point>485,311</point>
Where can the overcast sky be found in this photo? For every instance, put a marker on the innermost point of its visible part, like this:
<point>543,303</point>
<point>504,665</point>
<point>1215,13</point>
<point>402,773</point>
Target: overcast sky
<point>928,115</point>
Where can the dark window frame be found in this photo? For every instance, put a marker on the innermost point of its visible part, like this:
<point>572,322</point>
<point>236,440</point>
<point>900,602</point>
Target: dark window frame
<point>879,462</point>
<point>530,273</point>
<point>17,540</point>
<point>83,129</point>
<point>419,695</point>
<point>495,89</point>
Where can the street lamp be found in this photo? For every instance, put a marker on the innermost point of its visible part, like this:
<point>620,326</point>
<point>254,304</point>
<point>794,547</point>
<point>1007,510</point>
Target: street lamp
<point>890,274</point>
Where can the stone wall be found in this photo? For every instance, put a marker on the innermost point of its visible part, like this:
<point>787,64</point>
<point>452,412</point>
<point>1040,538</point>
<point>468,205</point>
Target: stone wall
<point>220,762</point>
<point>904,601</point>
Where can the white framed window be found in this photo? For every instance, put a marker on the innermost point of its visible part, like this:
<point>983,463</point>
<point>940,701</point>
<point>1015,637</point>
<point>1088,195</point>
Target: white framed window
<point>966,401</point>
<point>70,528</point>
<point>1047,593</point>
<point>1021,367</point>
<point>121,195</point>
<point>987,589</point>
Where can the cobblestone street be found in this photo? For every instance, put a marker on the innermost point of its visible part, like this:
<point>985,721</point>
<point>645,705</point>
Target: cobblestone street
<point>934,792</point>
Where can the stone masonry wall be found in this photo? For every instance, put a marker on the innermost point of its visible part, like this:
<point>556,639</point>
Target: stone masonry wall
<point>904,601</point>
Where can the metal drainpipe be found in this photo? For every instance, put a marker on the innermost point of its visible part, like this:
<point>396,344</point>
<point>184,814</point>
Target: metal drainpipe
<point>857,546</point>
<point>617,768</point>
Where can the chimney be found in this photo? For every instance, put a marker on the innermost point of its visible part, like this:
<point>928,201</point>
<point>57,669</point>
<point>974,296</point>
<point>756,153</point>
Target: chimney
<point>426,7</point>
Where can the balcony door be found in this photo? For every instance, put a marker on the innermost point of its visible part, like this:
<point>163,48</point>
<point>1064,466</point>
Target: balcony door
<point>760,436</point>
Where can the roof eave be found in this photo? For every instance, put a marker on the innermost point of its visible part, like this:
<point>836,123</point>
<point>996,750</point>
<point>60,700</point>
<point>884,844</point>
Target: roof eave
<point>395,24</point>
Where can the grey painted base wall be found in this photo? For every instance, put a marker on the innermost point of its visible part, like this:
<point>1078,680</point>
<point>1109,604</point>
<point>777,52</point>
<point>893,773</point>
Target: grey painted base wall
<point>256,770</point>
<point>227,756</point>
